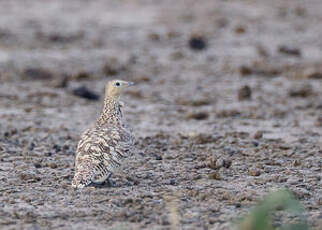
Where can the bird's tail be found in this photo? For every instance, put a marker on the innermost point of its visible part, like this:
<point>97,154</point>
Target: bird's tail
<point>83,176</point>
<point>81,180</point>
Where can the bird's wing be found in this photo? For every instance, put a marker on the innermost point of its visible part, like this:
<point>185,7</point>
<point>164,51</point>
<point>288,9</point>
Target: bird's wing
<point>100,152</point>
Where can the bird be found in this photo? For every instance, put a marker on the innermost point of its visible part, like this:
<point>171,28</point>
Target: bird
<point>105,146</point>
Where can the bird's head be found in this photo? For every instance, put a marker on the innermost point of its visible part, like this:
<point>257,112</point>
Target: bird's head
<point>114,88</point>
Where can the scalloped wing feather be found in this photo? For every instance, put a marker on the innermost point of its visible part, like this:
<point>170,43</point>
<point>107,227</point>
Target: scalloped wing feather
<point>100,152</point>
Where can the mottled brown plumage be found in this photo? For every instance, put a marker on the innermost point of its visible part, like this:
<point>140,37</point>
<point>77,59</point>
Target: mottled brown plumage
<point>103,148</point>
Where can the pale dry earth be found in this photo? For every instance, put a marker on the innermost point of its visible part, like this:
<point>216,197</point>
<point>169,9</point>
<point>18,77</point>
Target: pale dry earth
<point>208,147</point>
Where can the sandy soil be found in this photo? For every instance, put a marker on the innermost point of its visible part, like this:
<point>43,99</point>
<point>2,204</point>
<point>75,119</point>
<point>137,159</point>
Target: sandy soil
<point>227,107</point>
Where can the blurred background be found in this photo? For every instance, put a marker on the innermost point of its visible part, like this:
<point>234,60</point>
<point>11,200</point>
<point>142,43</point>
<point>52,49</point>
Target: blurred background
<point>227,106</point>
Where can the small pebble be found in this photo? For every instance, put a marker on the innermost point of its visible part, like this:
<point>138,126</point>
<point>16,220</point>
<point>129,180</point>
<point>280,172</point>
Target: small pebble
<point>197,115</point>
<point>258,135</point>
<point>254,172</point>
<point>289,50</point>
<point>301,90</point>
<point>244,93</point>
<point>296,163</point>
<point>212,163</point>
<point>28,110</point>
<point>22,176</point>
<point>319,202</point>
<point>52,165</point>
<point>215,163</point>
<point>214,176</point>
<point>318,121</point>
<point>202,138</point>
<point>255,143</point>
<point>240,29</point>
<point>245,70</point>
<point>260,166</point>
<point>57,148</point>
<point>156,156</point>
<point>172,182</point>
<point>48,154</point>
<point>37,165</point>
<point>313,74</point>
<point>154,36</point>
<point>238,205</point>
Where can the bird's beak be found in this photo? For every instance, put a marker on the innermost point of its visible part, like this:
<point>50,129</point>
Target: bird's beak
<point>130,83</point>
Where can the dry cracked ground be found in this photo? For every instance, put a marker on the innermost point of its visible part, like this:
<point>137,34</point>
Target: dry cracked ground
<point>226,108</point>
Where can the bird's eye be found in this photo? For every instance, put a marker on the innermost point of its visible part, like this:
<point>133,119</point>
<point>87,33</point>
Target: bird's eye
<point>117,84</point>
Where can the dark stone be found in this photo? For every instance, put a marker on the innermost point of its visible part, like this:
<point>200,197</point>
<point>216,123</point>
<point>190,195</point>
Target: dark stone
<point>37,165</point>
<point>197,115</point>
<point>32,146</point>
<point>48,154</point>
<point>197,43</point>
<point>255,143</point>
<point>244,93</point>
<point>289,50</point>
<point>258,135</point>
<point>84,92</point>
<point>157,156</point>
<point>301,90</point>
<point>245,70</point>
<point>37,74</point>
<point>57,148</point>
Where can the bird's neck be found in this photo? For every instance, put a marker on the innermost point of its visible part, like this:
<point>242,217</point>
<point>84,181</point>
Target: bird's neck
<point>111,113</point>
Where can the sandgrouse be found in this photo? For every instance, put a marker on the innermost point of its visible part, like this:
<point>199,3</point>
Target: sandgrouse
<point>104,147</point>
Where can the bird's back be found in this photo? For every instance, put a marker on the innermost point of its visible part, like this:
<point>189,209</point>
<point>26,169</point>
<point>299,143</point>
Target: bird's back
<point>100,152</point>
